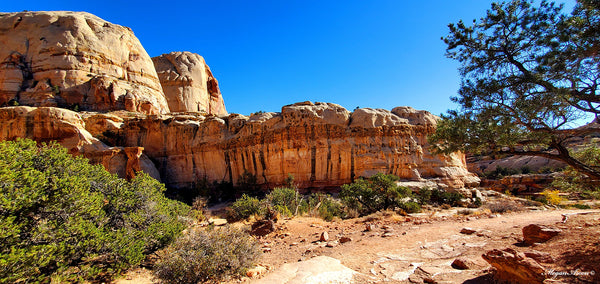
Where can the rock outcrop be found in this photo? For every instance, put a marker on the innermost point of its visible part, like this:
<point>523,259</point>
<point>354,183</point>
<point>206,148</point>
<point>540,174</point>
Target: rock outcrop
<point>75,60</point>
<point>45,124</point>
<point>321,145</point>
<point>514,267</point>
<point>188,83</point>
<point>535,233</point>
<point>521,184</point>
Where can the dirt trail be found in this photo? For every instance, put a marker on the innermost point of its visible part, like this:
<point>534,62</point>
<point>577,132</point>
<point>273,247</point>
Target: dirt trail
<point>414,249</point>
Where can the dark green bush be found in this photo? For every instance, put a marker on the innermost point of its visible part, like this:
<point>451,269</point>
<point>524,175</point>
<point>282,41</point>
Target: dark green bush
<point>379,192</point>
<point>285,200</point>
<point>245,207</point>
<point>410,207</point>
<point>581,206</point>
<point>57,211</point>
<point>323,206</point>
<point>438,197</point>
<point>577,183</point>
<point>203,255</point>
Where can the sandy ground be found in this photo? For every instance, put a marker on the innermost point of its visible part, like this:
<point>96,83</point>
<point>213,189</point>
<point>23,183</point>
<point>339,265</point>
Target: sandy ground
<point>416,249</point>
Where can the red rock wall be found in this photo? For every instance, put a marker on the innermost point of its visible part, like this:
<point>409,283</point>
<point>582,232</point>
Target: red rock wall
<point>321,145</point>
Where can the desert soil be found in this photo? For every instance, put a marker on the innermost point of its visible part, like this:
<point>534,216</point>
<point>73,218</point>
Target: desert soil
<point>422,247</point>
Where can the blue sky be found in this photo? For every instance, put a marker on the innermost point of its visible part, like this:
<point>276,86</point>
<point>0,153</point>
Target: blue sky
<point>266,54</point>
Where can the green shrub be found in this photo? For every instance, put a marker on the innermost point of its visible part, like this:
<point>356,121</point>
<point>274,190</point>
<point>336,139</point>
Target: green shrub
<point>285,200</point>
<point>245,207</point>
<point>410,207</point>
<point>58,211</point>
<point>581,206</point>
<point>379,192</point>
<point>500,172</point>
<point>203,255</point>
<point>324,206</point>
<point>573,181</point>
<point>438,197</point>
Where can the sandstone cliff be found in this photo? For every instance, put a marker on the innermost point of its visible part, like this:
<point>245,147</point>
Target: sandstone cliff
<point>188,83</point>
<point>45,124</point>
<point>75,60</point>
<point>320,144</point>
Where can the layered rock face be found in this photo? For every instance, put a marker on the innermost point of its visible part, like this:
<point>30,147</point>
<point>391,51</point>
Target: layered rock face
<point>188,83</point>
<point>45,124</point>
<point>321,145</point>
<point>75,60</point>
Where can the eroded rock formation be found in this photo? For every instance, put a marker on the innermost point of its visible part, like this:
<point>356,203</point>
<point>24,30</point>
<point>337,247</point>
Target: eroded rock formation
<point>320,144</point>
<point>188,83</point>
<point>75,60</point>
<point>45,124</point>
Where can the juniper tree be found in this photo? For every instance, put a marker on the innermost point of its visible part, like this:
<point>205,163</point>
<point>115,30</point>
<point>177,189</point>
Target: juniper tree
<point>529,75</point>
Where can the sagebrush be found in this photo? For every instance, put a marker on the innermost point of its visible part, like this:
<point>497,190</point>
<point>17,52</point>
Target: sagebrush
<point>207,254</point>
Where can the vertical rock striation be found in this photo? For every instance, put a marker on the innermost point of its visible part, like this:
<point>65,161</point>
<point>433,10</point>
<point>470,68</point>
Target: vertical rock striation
<point>321,145</point>
<point>75,60</point>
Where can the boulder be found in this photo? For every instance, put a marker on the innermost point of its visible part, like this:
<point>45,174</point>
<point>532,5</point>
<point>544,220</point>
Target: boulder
<point>188,83</point>
<point>514,267</point>
<point>462,263</point>
<point>467,231</point>
<point>262,227</point>
<point>75,60</point>
<point>535,233</point>
<point>539,256</point>
<point>324,237</point>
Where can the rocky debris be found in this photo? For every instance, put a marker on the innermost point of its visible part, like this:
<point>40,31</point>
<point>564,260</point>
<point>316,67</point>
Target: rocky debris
<point>535,233</point>
<point>369,227</point>
<point>462,263</point>
<point>332,244</point>
<point>539,256</point>
<point>256,271</point>
<point>188,83</point>
<point>317,270</point>
<point>262,227</point>
<point>345,240</point>
<point>514,267</point>
<point>484,233</point>
<point>217,221</point>
<point>324,237</point>
<point>522,184</point>
<point>75,60</point>
<point>534,163</point>
<point>467,231</point>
